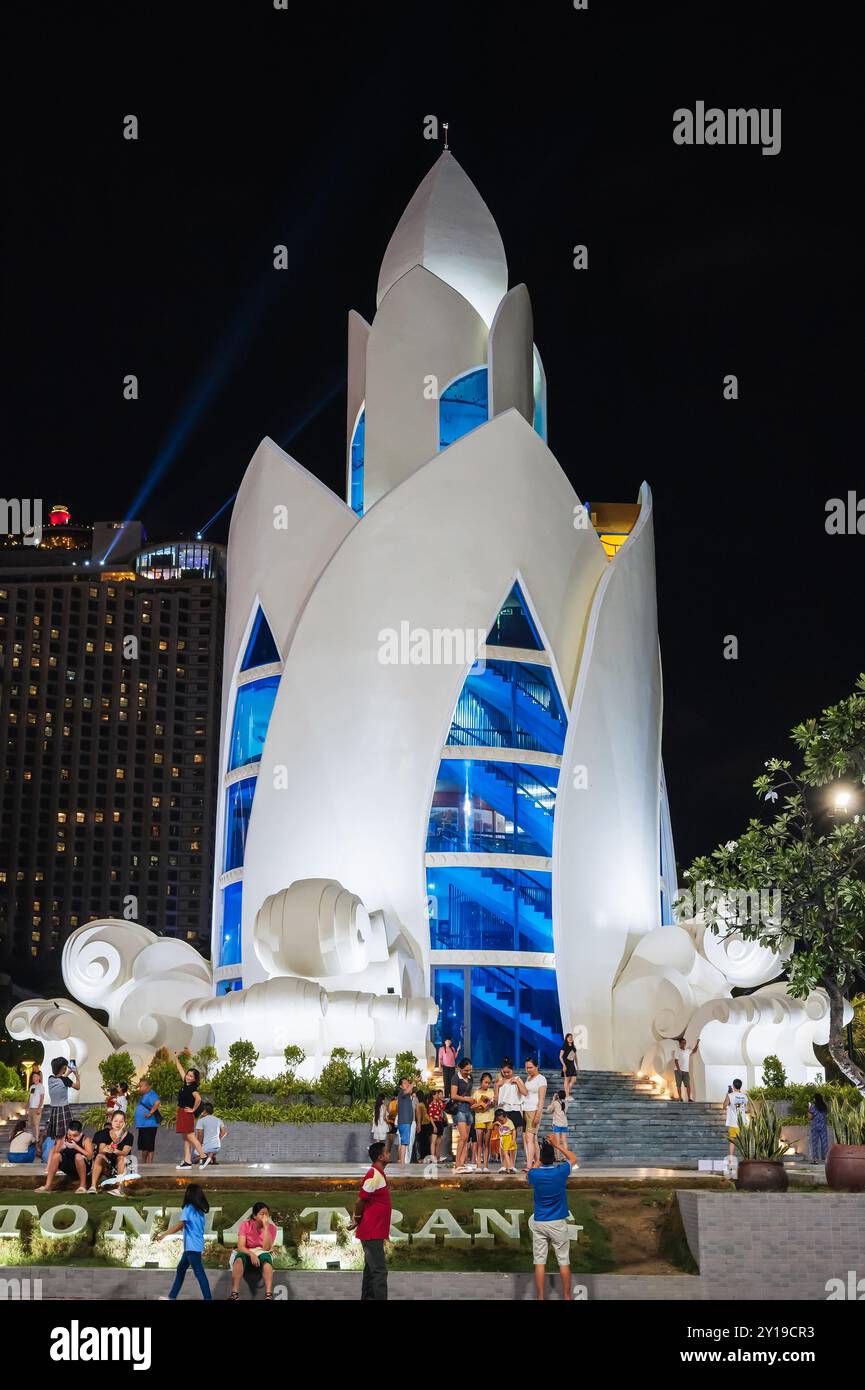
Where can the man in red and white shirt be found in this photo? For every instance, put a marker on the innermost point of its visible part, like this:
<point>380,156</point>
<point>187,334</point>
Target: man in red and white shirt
<point>371,1223</point>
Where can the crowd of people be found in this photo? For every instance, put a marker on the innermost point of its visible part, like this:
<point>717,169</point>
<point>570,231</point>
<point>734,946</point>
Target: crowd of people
<point>112,1154</point>
<point>477,1125</point>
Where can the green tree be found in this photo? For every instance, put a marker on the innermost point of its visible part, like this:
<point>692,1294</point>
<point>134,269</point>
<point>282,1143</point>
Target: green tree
<point>813,868</point>
<point>116,1068</point>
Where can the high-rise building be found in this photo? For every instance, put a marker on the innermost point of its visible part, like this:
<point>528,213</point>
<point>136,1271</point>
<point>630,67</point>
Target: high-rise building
<point>109,725</point>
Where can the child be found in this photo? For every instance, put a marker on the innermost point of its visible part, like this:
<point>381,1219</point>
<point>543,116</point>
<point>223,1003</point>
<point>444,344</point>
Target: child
<point>191,1223</point>
<point>484,1116</point>
<point>211,1131</point>
<point>121,1099</point>
<point>556,1110</point>
<point>507,1136</point>
<point>110,1104</point>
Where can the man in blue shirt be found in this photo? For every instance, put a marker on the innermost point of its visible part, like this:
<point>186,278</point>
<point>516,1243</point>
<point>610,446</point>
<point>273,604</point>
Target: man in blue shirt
<point>549,1223</point>
<point>146,1120</point>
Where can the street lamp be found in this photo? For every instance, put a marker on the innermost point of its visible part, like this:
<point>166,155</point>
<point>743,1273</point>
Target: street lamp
<point>841,801</point>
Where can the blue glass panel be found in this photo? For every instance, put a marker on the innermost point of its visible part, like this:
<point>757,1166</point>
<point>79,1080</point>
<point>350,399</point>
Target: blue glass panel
<point>261,649</point>
<point>492,808</point>
<point>449,992</point>
<point>229,935</point>
<point>489,909</point>
<point>514,626</point>
<point>508,704</point>
<point>238,810</point>
<point>357,452</point>
<point>463,406</point>
<point>493,1016</point>
<point>540,1019</point>
<point>540,422</point>
<point>226,986</point>
<point>252,710</point>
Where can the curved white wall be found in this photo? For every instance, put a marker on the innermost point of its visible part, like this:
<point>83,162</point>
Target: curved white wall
<point>362,741</point>
<point>606,849</point>
<point>423,329</point>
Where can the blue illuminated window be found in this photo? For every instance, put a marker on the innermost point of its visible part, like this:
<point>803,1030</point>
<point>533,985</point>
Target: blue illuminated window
<point>228,986</point>
<point>463,406</point>
<point>238,811</point>
<point>509,704</point>
<point>500,1011</point>
<point>261,649</point>
<point>357,450</point>
<point>229,935</point>
<point>490,909</point>
<point>252,710</point>
<point>492,808</point>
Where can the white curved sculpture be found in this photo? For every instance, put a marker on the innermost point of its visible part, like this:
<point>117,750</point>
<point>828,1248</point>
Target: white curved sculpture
<point>318,929</point>
<point>678,982</point>
<point>65,1030</point>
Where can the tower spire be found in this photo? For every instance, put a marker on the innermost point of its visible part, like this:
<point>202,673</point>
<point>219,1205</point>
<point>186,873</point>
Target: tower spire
<point>445,125</point>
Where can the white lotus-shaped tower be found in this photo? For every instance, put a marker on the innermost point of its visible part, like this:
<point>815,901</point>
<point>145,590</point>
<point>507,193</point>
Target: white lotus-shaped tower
<point>442,810</point>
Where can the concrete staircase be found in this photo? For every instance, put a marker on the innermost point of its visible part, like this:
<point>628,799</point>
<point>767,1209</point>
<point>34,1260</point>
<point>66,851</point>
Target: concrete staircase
<point>616,1119</point>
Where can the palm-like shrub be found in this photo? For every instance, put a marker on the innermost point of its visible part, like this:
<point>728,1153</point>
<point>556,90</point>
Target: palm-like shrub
<point>848,1121</point>
<point>760,1139</point>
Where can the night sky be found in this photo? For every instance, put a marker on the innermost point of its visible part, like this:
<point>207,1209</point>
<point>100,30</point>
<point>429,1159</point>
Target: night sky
<point>155,257</point>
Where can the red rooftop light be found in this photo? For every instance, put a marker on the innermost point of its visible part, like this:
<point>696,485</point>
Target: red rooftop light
<point>59,515</point>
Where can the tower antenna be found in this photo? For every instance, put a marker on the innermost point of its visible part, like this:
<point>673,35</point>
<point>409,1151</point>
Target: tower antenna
<point>445,125</point>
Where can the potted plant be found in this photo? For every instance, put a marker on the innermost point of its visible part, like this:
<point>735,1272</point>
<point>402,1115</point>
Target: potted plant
<point>845,1166</point>
<point>761,1151</point>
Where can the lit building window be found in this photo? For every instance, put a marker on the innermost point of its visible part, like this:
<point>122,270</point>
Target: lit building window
<point>357,455</point>
<point>463,406</point>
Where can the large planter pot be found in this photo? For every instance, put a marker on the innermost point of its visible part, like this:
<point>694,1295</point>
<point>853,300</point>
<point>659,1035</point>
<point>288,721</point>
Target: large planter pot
<point>845,1168</point>
<point>759,1175</point>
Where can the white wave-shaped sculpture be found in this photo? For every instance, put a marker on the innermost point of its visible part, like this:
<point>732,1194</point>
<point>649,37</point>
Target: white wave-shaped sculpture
<point>679,981</point>
<point>143,982</point>
<point>65,1030</point>
<point>316,928</point>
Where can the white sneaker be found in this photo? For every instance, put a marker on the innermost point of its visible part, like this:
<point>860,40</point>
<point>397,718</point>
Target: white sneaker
<point>204,1161</point>
<point>575,1167</point>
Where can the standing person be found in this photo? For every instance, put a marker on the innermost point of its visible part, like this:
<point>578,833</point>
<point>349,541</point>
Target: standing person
<point>737,1101</point>
<point>533,1091</point>
<point>254,1246</point>
<point>819,1132</point>
<point>112,1150</point>
<point>484,1109</point>
<point>507,1133</point>
<point>70,1156</point>
<point>406,1118</point>
<point>191,1223</point>
<point>447,1060</point>
<point>549,1222</point>
<point>558,1116</point>
<point>63,1078</point>
<point>211,1131</point>
<point>121,1102</point>
<point>424,1129</point>
<point>35,1103</point>
<point>436,1111</point>
<point>381,1126</point>
<point>146,1120</point>
<point>461,1096</point>
<point>188,1101</point>
<point>371,1223</point>
<point>682,1066</point>
<point>506,1096</point>
<point>570,1064</point>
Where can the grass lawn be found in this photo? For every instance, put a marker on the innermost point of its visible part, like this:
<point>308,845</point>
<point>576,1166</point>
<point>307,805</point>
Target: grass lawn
<point>636,1229</point>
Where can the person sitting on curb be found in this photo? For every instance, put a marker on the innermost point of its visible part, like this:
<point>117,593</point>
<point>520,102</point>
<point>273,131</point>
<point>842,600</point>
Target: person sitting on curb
<point>254,1246</point>
<point>70,1155</point>
<point>114,1147</point>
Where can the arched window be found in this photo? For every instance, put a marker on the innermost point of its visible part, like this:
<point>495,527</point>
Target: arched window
<point>463,406</point>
